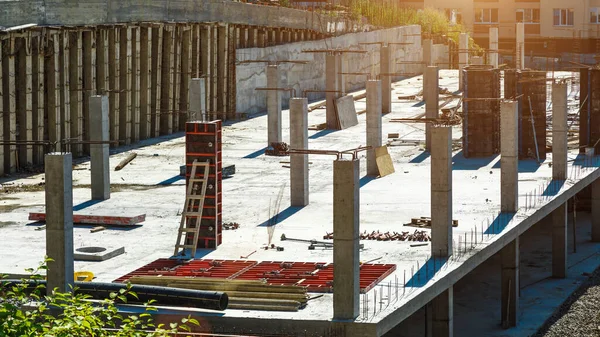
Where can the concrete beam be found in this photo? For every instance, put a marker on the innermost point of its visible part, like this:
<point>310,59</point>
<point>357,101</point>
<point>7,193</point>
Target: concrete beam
<point>346,219</point>
<point>299,162</point>
<point>559,242</point>
<point>331,85</point>
<point>509,161</point>
<point>463,56</point>
<point>442,306</point>
<point>520,50</point>
<point>559,131</point>
<point>59,221</point>
<point>493,53</point>
<point>100,174</point>
<point>595,186</point>
<point>273,105</point>
<point>373,124</point>
<point>441,191</point>
<point>431,93</point>
<point>510,284</point>
<point>385,66</point>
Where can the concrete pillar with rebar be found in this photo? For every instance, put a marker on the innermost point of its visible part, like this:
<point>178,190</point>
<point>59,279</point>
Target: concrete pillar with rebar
<point>59,221</point>
<point>346,203</point>
<point>299,162</point>
<point>99,153</point>
<point>431,93</point>
<point>559,131</point>
<point>509,159</point>
<point>427,53</point>
<point>510,284</point>
<point>559,241</point>
<point>273,105</point>
<point>442,310</point>
<point>441,191</point>
<point>493,52</point>
<point>595,210</point>
<point>331,86</point>
<point>386,78</point>
<point>373,124</point>
<point>463,56</point>
<point>197,100</point>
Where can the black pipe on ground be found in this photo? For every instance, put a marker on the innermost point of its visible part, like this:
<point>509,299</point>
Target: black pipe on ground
<point>213,300</point>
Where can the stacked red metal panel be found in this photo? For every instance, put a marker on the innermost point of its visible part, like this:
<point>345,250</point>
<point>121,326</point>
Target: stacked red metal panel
<point>203,143</point>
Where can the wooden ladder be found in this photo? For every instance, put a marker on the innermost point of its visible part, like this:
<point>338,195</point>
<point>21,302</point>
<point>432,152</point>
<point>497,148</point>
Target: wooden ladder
<point>194,197</point>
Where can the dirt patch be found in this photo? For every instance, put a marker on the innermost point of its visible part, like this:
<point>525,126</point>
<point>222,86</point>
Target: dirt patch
<point>10,189</point>
<point>6,223</point>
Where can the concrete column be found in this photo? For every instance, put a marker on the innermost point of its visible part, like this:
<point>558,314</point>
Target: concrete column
<point>510,284</point>
<point>346,202</point>
<point>431,96</point>
<point>299,162</point>
<point>59,220</point>
<point>463,56</point>
<point>509,159</point>
<point>373,124</point>
<point>559,242</point>
<point>595,186</point>
<point>340,76</point>
<point>520,50</point>
<point>331,84</point>
<point>385,66</point>
<point>559,131</point>
<point>99,153</point>
<point>197,100</point>
<point>493,53</point>
<point>441,191</point>
<point>442,309</point>
<point>427,53</point>
<point>273,105</point>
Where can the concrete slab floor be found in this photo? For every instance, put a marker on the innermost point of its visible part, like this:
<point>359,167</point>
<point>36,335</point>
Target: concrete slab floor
<point>150,184</point>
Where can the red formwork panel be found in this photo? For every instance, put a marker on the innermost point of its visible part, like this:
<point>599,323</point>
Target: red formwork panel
<point>164,265</point>
<point>282,273</point>
<point>370,275</point>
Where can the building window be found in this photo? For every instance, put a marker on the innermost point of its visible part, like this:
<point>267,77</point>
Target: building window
<point>563,17</point>
<point>528,15</point>
<point>594,15</point>
<point>486,15</point>
<point>453,15</point>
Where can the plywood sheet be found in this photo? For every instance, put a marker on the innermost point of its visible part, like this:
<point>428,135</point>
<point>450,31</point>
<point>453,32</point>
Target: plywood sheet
<point>346,112</point>
<point>384,161</point>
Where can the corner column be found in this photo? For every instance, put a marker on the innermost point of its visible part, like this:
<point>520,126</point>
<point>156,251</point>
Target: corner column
<point>273,105</point>
<point>493,53</point>
<point>373,124</point>
<point>346,202</point>
<point>99,153</point>
<point>509,161</point>
<point>463,57</point>
<point>441,191</point>
<point>197,100</point>
<point>427,53</point>
<point>331,86</point>
<point>430,91</point>
<point>59,221</point>
<point>559,131</point>
<point>299,162</point>
<point>520,50</point>
<point>596,211</point>
<point>385,67</point>
<point>510,284</point>
<point>442,309</point>
<point>559,241</point>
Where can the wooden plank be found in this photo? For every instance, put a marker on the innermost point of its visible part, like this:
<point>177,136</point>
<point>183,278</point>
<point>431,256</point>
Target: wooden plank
<point>156,80</point>
<point>37,97</point>
<point>113,83</point>
<point>135,84</point>
<point>186,76</point>
<point>97,219</point>
<point>230,93</point>
<point>346,112</point>
<point>65,110</point>
<point>88,73</point>
<point>166,122</point>
<point>195,46</point>
<point>125,85</point>
<point>101,61</point>
<point>384,161</point>
<point>23,102</point>
<point>9,112</point>
<point>214,72</point>
<point>74,66</point>
<point>145,79</point>
<point>176,77</point>
<point>52,109</point>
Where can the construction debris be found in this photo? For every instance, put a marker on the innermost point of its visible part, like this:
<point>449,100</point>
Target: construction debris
<point>425,222</point>
<point>231,225</point>
<point>277,149</point>
<point>97,229</point>
<point>418,235</point>
<point>126,161</point>
<point>104,220</point>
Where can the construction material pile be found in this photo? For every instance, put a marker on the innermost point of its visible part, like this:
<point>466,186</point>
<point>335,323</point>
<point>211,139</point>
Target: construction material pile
<point>243,294</point>
<point>277,149</point>
<point>417,235</point>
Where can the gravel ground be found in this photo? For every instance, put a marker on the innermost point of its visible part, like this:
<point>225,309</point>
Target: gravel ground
<point>579,315</point>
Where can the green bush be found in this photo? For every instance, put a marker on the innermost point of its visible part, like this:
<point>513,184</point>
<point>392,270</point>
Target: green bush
<point>26,312</point>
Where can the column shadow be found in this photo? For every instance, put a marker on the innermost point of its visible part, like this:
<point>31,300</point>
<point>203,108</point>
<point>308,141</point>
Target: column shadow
<point>255,154</point>
<point>426,272</point>
<point>366,179</point>
<point>420,158</point>
<point>553,188</point>
<point>499,223</point>
<point>525,165</point>
<point>86,204</point>
<point>286,213</point>
<point>322,133</point>
<point>170,181</point>
<point>459,162</point>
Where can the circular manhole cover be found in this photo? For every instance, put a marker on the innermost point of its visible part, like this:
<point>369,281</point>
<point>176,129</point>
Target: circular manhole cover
<point>91,249</point>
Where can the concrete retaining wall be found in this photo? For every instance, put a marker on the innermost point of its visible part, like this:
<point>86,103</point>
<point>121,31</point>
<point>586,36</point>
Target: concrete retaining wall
<point>311,76</point>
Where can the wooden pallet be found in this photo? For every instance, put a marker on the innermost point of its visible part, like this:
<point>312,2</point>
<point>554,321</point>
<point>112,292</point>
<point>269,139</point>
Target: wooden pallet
<point>425,222</point>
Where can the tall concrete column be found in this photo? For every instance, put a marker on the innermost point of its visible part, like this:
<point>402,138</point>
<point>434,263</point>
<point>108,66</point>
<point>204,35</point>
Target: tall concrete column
<point>493,54</point>
<point>197,100</point>
<point>340,74</point>
<point>427,53</point>
<point>442,309</point>
<point>99,153</point>
<point>273,105</point>
<point>59,220</point>
<point>559,131</point>
<point>373,124</point>
<point>596,210</point>
<point>559,241</point>
<point>520,50</point>
<point>463,56</point>
<point>431,96</point>
<point>509,157</point>
<point>441,191</point>
<point>299,162</point>
<point>346,203</point>
<point>385,66</point>
<point>510,284</point>
<point>331,85</point>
